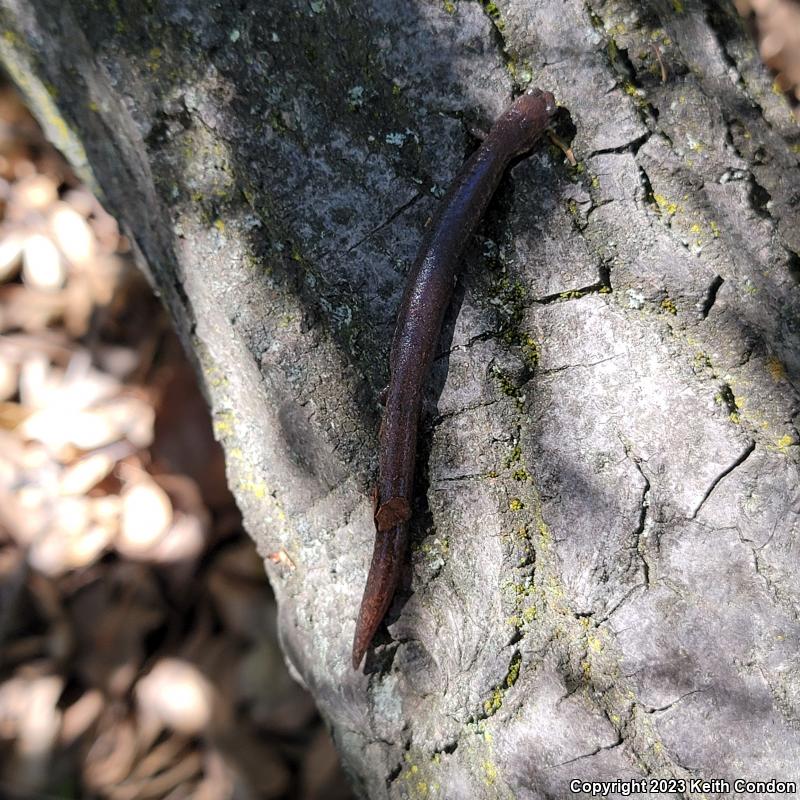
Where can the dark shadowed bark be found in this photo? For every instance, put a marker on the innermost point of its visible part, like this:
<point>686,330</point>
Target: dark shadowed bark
<point>603,577</point>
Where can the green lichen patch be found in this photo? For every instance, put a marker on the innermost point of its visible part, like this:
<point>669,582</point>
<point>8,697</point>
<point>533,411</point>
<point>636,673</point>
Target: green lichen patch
<point>493,12</point>
<point>509,387</point>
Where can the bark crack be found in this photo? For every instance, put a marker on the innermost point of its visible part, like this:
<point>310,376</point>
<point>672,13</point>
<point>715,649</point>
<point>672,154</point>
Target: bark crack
<point>601,286</point>
<point>633,146</point>
<point>711,295</point>
<point>594,752</point>
<point>772,587</point>
<point>642,530</point>
<point>444,416</point>
<point>668,706</point>
<point>619,603</point>
<point>470,476</point>
<point>645,523</point>
<point>746,453</point>
<point>556,370</point>
<point>388,221</point>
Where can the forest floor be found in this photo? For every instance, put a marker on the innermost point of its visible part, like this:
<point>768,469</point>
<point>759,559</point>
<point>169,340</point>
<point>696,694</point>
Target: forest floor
<point>138,646</point>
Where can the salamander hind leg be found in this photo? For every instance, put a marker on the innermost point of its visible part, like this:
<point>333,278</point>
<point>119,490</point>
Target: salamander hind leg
<point>394,511</point>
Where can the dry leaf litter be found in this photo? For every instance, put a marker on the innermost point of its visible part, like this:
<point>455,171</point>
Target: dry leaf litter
<point>138,650</point>
<point>777,31</point>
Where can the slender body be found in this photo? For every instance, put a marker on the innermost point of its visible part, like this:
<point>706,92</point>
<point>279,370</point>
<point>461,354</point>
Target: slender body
<point>419,321</point>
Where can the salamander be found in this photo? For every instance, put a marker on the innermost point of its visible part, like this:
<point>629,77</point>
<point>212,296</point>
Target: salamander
<point>425,299</point>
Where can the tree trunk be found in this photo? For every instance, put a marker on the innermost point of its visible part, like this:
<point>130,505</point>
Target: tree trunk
<point>602,580</point>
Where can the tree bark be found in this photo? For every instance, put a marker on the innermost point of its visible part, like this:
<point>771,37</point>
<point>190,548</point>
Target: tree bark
<point>602,583</point>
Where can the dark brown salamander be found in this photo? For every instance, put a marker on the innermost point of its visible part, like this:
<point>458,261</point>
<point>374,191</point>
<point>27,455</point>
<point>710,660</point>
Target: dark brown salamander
<point>419,321</point>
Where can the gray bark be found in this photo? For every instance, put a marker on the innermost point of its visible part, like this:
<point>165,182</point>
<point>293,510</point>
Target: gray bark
<point>602,581</point>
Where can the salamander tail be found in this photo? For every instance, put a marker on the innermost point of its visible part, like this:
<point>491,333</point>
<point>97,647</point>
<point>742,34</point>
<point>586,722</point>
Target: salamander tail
<point>384,575</point>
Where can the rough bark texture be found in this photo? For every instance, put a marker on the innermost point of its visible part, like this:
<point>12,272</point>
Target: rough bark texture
<point>603,581</point>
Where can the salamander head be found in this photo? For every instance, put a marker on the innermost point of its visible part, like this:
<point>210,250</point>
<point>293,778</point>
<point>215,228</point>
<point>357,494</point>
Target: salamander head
<point>527,119</point>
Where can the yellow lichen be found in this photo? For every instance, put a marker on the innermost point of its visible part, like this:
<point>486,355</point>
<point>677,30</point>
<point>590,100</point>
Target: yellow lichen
<point>666,205</point>
<point>223,424</point>
<point>630,89</point>
<point>669,306</point>
<point>784,442</point>
<point>256,488</point>
<point>494,703</point>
